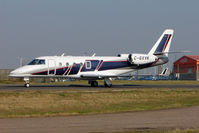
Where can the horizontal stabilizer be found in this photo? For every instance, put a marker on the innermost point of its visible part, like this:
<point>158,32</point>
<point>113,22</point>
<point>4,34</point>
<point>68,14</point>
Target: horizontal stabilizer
<point>171,52</point>
<point>97,76</point>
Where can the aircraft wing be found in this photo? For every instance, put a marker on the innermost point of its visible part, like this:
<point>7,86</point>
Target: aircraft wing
<point>97,76</point>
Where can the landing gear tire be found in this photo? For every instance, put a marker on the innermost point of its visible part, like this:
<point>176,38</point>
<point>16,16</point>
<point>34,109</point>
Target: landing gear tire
<point>107,82</point>
<point>106,85</point>
<point>27,85</point>
<point>94,84</point>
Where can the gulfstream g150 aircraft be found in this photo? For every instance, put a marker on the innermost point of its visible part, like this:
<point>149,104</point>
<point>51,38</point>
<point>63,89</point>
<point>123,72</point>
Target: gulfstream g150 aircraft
<point>93,68</point>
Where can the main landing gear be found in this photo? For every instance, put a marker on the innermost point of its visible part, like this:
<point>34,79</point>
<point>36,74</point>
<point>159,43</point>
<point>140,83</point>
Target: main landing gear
<point>27,83</point>
<point>107,83</point>
<point>93,83</point>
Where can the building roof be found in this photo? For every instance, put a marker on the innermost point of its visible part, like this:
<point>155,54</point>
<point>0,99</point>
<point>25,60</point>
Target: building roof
<point>187,59</point>
<point>194,57</point>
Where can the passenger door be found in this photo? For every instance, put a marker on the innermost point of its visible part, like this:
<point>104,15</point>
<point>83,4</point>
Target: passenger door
<point>51,67</point>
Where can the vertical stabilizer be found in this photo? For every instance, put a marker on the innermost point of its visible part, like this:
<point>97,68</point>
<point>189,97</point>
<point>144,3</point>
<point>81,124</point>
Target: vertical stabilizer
<point>163,43</point>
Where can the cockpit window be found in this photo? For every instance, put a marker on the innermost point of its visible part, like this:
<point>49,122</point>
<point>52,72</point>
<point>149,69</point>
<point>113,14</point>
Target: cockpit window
<point>37,62</point>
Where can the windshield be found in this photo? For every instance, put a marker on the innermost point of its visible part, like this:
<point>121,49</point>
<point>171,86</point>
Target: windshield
<point>37,62</point>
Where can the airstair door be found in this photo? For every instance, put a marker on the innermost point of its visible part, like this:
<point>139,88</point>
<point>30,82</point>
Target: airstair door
<point>51,67</point>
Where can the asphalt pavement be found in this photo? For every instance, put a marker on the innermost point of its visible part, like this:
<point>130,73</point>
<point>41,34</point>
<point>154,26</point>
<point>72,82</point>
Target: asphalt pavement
<point>145,120</point>
<point>121,86</point>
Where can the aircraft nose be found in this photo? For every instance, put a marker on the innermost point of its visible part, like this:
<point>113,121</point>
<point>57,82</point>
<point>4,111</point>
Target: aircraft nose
<point>15,72</point>
<point>19,72</point>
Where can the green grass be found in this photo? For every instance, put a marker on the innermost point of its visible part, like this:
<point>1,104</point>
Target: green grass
<point>10,82</point>
<point>156,131</point>
<point>32,103</point>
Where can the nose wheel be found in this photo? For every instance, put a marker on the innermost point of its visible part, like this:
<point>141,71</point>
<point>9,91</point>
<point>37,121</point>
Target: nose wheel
<point>27,84</point>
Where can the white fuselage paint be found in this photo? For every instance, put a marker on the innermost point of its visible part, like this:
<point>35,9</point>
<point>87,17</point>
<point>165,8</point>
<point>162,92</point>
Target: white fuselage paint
<point>102,66</point>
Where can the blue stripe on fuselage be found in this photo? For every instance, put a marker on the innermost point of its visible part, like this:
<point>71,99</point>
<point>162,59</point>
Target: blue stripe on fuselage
<point>75,69</point>
<point>94,64</point>
<point>106,65</point>
<point>41,73</point>
<point>61,71</point>
<point>113,65</point>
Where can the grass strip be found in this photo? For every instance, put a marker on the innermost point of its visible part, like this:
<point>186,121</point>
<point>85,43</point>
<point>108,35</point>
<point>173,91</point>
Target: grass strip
<point>30,103</point>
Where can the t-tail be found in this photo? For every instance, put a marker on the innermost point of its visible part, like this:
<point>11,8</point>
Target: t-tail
<point>162,46</point>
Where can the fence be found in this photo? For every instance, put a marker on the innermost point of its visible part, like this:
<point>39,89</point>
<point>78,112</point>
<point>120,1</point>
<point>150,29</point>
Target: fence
<point>4,74</point>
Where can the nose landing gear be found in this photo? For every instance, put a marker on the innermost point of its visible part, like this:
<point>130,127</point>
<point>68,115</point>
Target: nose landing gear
<point>27,83</point>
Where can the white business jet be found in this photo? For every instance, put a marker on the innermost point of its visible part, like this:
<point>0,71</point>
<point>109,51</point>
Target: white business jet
<point>93,68</point>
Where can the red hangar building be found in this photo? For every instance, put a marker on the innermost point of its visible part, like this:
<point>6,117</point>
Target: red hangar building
<point>187,67</point>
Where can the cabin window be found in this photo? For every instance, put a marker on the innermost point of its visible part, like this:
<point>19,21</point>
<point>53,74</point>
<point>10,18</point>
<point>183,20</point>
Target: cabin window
<point>81,64</point>
<point>88,65</point>
<point>67,64</point>
<point>74,64</point>
<point>37,62</point>
<point>60,64</point>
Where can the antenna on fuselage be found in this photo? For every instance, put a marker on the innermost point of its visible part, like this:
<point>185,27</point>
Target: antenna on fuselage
<point>62,54</point>
<point>93,54</point>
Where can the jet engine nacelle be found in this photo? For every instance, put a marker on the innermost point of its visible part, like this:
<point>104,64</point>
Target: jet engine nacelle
<point>139,59</point>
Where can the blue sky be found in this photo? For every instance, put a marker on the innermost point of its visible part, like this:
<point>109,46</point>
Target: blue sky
<point>32,28</point>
